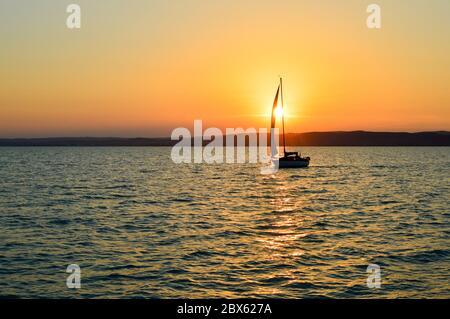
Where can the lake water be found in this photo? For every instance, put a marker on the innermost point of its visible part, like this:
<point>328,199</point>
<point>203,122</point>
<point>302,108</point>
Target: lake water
<point>139,225</point>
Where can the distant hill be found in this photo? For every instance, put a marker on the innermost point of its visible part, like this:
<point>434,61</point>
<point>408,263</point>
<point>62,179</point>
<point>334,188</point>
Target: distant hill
<point>362,138</point>
<point>354,138</point>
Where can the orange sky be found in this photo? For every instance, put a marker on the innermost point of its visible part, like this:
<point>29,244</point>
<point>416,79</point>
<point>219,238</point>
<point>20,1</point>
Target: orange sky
<point>142,68</point>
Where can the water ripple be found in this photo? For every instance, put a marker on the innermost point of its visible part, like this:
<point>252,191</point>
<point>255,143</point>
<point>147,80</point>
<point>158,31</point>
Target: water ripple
<point>142,227</point>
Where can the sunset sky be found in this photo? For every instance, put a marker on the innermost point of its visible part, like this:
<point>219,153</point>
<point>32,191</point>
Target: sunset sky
<point>143,68</point>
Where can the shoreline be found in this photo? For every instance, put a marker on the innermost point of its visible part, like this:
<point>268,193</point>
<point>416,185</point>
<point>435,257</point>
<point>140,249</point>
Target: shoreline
<point>354,138</point>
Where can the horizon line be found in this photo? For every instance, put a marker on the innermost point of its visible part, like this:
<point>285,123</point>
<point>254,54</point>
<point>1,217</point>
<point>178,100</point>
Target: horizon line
<point>168,136</point>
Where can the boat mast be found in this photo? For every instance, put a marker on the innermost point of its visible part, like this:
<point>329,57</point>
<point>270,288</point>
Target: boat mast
<point>282,114</point>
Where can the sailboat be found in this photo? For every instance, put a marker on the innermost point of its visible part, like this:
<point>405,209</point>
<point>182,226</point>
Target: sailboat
<point>289,159</point>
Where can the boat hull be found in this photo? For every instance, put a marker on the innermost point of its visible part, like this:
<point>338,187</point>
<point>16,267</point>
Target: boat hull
<point>290,163</point>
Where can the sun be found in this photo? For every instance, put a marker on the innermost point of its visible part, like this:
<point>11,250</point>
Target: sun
<point>279,111</point>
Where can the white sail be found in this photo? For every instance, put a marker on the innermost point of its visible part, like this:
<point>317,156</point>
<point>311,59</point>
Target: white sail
<point>274,132</point>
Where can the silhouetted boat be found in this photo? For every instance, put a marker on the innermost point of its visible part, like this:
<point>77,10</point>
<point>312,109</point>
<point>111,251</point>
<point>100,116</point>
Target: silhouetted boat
<point>289,159</point>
